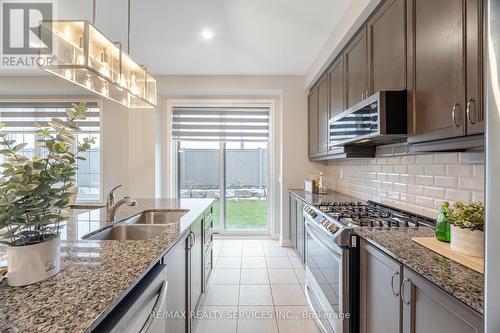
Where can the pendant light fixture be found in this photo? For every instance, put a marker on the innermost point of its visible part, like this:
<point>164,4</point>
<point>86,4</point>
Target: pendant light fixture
<point>86,57</point>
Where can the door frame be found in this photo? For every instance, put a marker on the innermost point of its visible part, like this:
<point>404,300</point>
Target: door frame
<point>170,184</point>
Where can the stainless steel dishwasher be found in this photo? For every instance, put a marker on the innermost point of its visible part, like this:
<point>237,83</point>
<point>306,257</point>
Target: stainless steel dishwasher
<point>143,309</point>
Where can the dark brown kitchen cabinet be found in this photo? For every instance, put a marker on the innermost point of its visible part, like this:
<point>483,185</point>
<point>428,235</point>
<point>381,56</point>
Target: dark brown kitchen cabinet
<point>337,89</point>
<point>474,67</point>
<point>323,114</point>
<point>380,278</point>
<point>445,68</point>
<point>394,299</point>
<point>177,292</point>
<point>387,47</point>
<point>313,121</point>
<point>297,228</point>
<point>356,68</point>
<point>427,308</point>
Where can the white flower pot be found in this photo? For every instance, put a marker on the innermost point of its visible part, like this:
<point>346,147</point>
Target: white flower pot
<point>467,241</point>
<point>33,263</point>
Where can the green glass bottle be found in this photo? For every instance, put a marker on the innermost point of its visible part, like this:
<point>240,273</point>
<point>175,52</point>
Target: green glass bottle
<point>443,224</point>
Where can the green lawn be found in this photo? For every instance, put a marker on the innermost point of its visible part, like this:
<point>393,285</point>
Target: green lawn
<point>244,214</point>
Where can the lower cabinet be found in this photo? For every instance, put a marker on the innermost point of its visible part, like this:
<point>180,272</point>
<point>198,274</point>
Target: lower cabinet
<point>195,247</point>
<point>427,308</point>
<point>188,264</point>
<point>177,293</point>
<point>395,299</point>
<point>297,229</point>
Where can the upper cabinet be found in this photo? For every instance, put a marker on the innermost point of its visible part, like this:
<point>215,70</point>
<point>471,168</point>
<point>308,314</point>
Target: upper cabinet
<point>356,68</point>
<point>312,119</point>
<point>387,47</point>
<point>323,114</point>
<point>445,69</point>
<point>337,89</point>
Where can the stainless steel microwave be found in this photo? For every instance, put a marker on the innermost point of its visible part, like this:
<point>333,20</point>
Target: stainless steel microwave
<point>377,120</point>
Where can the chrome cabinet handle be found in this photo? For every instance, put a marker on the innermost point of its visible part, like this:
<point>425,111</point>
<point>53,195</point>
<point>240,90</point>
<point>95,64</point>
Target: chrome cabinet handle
<point>395,293</point>
<point>453,116</point>
<point>470,104</point>
<point>162,295</point>
<point>403,293</point>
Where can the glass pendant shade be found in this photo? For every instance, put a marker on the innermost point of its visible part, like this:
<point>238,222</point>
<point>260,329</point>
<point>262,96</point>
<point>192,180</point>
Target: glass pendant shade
<point>84,56</point>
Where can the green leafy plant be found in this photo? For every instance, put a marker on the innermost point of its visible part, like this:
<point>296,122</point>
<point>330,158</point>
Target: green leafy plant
<point>35,193</point>
<point>467,215</point>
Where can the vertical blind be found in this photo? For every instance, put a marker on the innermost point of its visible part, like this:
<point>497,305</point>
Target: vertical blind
<point>20,117</point>
<point>221,124</point>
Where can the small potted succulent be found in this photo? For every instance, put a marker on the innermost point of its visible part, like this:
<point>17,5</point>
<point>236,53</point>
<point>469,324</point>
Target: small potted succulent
<point>467,228</point>
<point>34,197</point>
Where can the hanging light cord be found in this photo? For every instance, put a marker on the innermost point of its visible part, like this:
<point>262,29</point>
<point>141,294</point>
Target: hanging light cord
<point>128,32</point>
<point>93,11</point>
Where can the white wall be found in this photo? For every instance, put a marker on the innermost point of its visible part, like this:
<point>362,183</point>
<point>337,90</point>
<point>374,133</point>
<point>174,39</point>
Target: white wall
<point>354,16</point>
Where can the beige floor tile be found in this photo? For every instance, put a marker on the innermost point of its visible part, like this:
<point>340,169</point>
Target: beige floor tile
<point>275,251</point>
<point>288,295</point>
<point>254,319</point>
<point>229,251</point>
<point>278,262</point>
<point>253,262</point>
<point>222,295</point>
<point>282,276</point>
<point>217,319</point>
<point>253,251</point>
<point>291,320</point>
<point>225,276</point>
<point>254,276</point>
<point>255,295</point>
<point>228,262</point>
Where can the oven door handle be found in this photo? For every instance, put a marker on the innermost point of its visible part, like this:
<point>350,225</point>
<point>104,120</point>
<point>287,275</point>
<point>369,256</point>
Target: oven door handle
<point>336,254</point>
<point>308,293</point>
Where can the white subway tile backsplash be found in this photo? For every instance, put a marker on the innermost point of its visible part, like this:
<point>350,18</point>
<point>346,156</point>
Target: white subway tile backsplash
<point>458,195</point>
<point>445,181</point>
<point>435,170</point>
<point>418,183</point>
<point>459,170</point>
<point>424,180</point>
<point>471,183</point>
<point>446,158</point>
<point>425,159</point>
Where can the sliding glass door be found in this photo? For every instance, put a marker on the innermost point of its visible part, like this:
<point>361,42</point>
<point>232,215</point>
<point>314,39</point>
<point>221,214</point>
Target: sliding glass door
<point>235,174</point>
<point>245,186</point>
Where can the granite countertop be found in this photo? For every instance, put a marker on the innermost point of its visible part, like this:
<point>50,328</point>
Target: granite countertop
<point>95,275</point>
<point>463,283</point>
<point>315,199</point>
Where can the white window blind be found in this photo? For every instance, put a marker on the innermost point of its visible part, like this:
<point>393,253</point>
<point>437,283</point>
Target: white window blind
<point>19,119</point>
<point>223,124</point>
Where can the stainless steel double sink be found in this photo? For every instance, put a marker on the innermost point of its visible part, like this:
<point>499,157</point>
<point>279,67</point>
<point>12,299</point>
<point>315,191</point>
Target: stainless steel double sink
<point>140,227</point>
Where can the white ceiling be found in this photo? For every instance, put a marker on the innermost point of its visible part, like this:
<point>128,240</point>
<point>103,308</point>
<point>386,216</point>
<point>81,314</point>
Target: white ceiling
<point>251,36</point>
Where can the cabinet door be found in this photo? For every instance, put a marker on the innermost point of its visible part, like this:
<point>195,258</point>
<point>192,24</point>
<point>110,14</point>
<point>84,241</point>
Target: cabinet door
<point>474,56</point>
<point>438,77</point>
<point>323,114</point>
<point>293,220</point>
<point>177,292</point>
<point>380,278</point>
<point>427,308</point>
<point>313,121</point>
<point>356,65</point>
<point>196,260</point>
<point>337,89</point>
<point>300,231</point>
<point>387,47</point>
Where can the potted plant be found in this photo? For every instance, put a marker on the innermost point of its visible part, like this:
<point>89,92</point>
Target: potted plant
<point>34,197</point>
<point>467,228</point>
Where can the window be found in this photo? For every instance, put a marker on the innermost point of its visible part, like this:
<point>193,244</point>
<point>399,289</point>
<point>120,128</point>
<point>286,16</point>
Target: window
<point>18,119</point>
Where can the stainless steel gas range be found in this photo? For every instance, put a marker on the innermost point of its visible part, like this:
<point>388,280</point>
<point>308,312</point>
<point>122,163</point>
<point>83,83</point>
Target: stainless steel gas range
<point>332,257</point>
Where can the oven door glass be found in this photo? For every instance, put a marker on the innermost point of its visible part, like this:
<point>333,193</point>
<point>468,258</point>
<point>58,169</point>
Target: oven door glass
<point>325,264</point>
